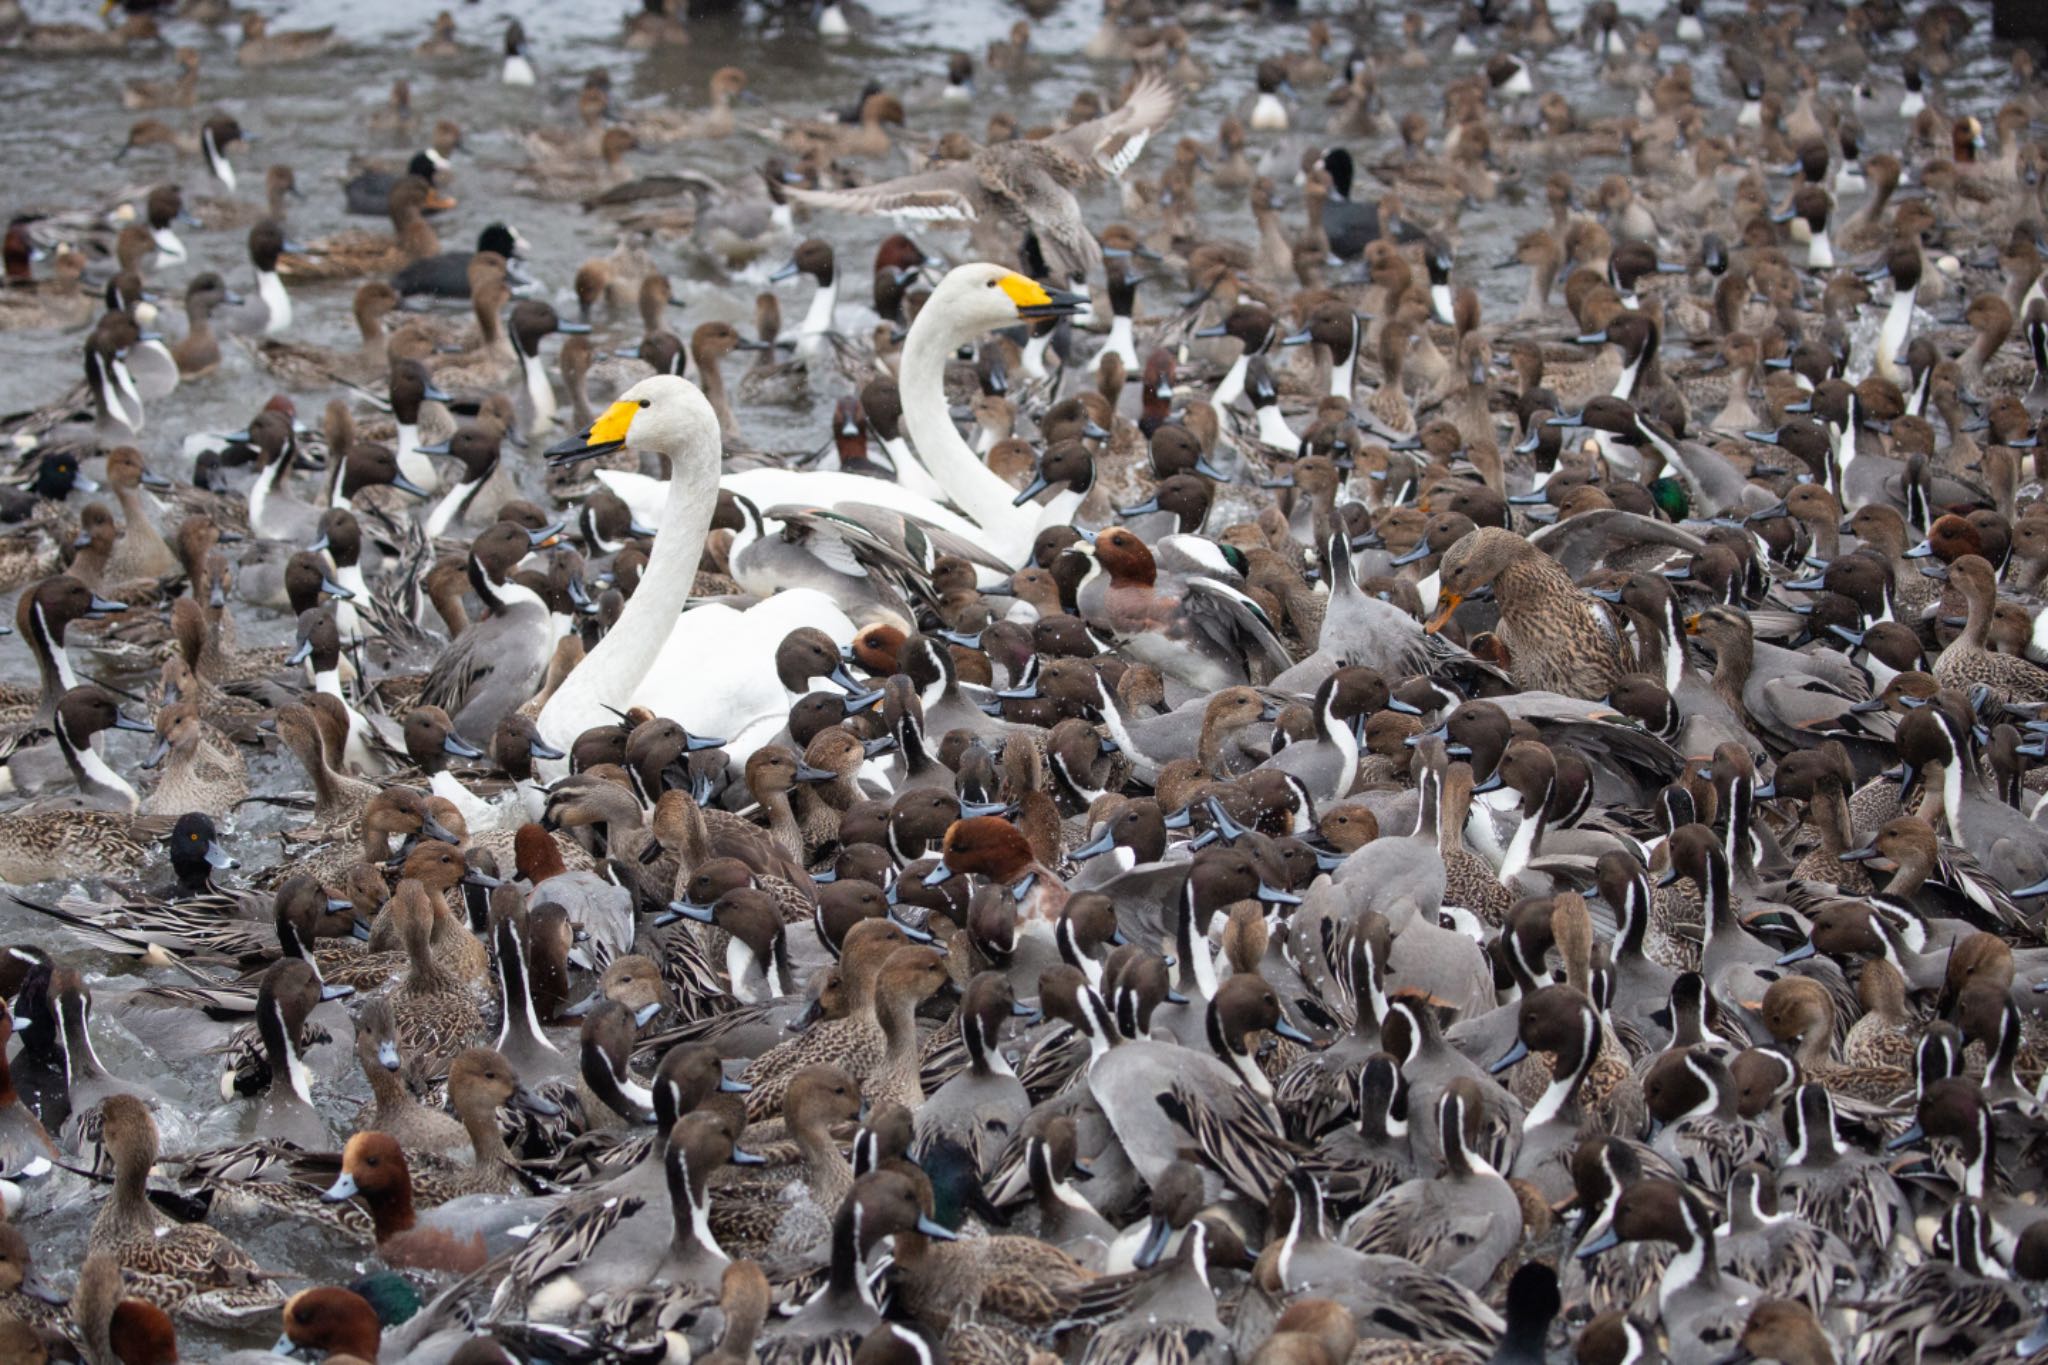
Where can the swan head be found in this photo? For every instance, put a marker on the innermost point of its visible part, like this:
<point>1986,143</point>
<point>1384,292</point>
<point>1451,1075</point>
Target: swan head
<point>980,297</point>
<point>662,413</point>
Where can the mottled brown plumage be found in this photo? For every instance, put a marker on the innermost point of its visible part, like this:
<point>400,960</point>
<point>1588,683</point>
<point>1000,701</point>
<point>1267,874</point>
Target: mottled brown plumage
<point>1557,640</point>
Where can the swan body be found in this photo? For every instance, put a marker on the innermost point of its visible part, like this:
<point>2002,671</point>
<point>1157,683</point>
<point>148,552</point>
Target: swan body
<point>654,655</point>
<point>742,699</point>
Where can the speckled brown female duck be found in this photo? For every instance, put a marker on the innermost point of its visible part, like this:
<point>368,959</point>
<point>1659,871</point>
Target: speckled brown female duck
<point>1800,1014</point>
<point>1557,638</point>
<point>855,1043</point>
<point>1969,660</point>
<point>434,1012</point>
<point>186,1268</point>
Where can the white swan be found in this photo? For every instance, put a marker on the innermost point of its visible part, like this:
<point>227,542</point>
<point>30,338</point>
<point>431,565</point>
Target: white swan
<point>712,668</point>
<point>970,301</point>
<point>716,672</point>
<point>671,415</point>
<point>768,487</point>
<point>654,656</point>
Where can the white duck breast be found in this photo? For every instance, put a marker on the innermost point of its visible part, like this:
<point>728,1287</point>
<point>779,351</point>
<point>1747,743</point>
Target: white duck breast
<point>1032,361</point>
<point>263,518</point>
<point>448,508</point>
<point>216,160</point>
<point>1891,337</point>
<point>412,461</point>
<point>1440,303</point>
<point>540,393</point>
<point>1273,428</point>
<point>817,323</point>
<point>1121,343</point>
<point>116,386</point>
<point>1341,375</point>
<point>97,772</point>
<point>277,302</point>
<point>1231,387</point>
<point>356,752</point>
<point>168,245</point>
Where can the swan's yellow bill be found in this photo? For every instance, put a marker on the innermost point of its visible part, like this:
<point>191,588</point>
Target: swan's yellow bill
<point>612,423</point>
<point>1024,291</point>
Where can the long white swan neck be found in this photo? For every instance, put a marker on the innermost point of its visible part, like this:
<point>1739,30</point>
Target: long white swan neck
<point>623,657</point>
<point>980,494</point>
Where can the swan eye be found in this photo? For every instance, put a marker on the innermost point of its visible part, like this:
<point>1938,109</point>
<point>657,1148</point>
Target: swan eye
<point>645,403</point>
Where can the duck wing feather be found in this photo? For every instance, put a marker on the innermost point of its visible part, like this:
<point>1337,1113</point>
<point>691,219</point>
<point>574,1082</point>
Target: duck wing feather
<point>1582,543</point>
<point>1110,144</point>
<point>919,542</point>
<point>1233,620</point>
<point>1234,1136</point>
<point>565,1239</point>
<point>951,194</point>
